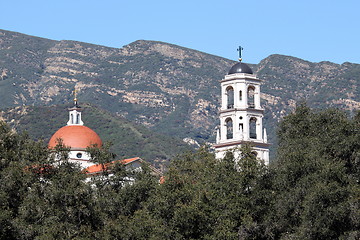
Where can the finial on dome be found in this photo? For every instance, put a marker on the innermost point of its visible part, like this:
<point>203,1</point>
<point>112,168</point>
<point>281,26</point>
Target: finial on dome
<point>75,97</point>
<point>240,51</point>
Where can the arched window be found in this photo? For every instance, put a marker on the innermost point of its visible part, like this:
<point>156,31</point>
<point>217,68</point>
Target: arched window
<point>240,95</point>
<point>253,128</point>
<point>229,128</point>
<point>77,118</point>
<point>251,96</point>
<point>230,97</point>
<point>72,118</point>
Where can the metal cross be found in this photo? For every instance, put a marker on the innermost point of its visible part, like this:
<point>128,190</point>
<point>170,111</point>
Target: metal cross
<point>240,50</point>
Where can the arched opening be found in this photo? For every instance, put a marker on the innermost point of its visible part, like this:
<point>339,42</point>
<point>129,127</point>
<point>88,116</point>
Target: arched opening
<point>240,95</point>
<point>230,97</point>
<point>251,97</point>
<point>252,124</point>
<point>72,118</point>
<point>241,128</point>
<point>229,128</point>
<point>77,118</point>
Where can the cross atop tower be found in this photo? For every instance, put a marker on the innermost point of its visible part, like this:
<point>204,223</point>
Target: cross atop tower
<point>240,51</point>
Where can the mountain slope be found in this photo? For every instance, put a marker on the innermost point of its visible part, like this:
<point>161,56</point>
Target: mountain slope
<point>167,88</point>
<point>128,139</point>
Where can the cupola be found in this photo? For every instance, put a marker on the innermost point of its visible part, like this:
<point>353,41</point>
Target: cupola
<point>240,67</point>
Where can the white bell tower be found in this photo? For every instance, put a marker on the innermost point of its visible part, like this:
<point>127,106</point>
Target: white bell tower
<point>241,114</point>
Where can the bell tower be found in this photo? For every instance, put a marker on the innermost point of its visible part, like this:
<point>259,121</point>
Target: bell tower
<point>241,113</point>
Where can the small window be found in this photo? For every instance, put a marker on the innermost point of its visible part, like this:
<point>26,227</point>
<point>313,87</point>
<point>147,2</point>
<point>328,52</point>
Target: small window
<point>77,118</point>
<point>230,97</point>
<point>251,97</point>
<point>229,128</point>
<point>253,128</point>
<point>79,155</point>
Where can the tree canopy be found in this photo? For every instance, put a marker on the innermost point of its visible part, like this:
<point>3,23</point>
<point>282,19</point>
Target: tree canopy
<point>310,191</point>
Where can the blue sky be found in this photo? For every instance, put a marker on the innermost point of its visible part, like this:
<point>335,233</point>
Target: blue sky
<point>314,30</point>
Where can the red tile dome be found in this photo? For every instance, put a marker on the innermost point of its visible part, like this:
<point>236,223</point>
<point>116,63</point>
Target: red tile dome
<point>75,137</point>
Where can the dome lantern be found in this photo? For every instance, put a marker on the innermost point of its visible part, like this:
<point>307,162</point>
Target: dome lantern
<point>75,112</point>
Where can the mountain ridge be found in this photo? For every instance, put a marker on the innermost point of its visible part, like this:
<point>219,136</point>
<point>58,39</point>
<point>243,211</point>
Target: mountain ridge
<point>168,88</point>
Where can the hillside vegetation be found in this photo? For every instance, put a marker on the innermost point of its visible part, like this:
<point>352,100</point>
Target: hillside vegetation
<point>128,139</point>
<point>167,88</point>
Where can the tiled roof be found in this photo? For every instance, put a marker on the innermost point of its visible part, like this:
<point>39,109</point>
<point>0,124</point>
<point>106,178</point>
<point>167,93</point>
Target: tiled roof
<point>75,136</point>
<point>98,168</point>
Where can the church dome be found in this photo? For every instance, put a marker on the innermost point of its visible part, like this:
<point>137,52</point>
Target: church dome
<point>240,67</point>
<point>75,137</point>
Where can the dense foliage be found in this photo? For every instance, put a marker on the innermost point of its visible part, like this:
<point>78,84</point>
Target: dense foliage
<point>311,192</point>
